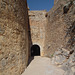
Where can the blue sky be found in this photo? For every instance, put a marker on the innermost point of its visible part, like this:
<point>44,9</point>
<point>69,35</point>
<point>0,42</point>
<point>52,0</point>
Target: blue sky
<point>40,4</point>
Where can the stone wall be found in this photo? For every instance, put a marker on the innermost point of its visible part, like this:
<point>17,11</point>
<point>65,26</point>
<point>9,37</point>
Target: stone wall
<point>13,37</point>
<point>60,18</point>
<point>37,28</point>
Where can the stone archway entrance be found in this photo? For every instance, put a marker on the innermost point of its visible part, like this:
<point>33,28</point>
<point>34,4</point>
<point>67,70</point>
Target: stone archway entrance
<point>35,50</point>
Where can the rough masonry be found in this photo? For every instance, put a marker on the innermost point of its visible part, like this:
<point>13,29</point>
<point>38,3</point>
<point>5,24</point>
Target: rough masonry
<point>19,31</point>
<point>13,36</point>
<point>60,28</point>
<point>38,21</point>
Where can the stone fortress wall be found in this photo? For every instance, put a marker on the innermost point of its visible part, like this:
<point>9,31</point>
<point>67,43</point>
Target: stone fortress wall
<point>37,20</point>
<point>20,30</point>
<point>13,37</point>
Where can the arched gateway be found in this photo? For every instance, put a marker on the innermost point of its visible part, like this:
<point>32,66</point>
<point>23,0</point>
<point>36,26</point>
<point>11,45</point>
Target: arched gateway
<point>35,50</point>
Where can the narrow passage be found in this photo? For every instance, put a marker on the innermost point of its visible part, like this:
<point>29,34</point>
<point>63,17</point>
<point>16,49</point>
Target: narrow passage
<point>42,66</point>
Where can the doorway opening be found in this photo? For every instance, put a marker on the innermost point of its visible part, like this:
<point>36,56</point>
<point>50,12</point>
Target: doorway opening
<point>35,50</point>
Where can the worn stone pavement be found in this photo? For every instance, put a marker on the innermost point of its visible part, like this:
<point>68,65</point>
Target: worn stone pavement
<point>42,66</point>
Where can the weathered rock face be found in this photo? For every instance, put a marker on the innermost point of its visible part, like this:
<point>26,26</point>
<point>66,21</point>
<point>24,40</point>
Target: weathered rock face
<point>66,60</point>
<point>37,28</point>
<point>61,35</point>
<point>61,21</point>
<point>13,36</point>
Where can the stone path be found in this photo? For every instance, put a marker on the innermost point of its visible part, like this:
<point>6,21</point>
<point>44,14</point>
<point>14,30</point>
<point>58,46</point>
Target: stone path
<point>42,66</point>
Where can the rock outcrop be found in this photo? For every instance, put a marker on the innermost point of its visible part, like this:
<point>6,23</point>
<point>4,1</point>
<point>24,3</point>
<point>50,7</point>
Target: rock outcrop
<point>60,30</point>
<point>60,38</point>
<point>66,60</point>
<point>13,36</point>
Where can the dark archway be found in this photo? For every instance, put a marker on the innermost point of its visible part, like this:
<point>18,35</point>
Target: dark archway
<point>35,50</point>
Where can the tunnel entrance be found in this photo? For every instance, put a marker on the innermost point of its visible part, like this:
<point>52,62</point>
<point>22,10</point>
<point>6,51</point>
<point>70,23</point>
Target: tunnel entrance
<point>35,50</point>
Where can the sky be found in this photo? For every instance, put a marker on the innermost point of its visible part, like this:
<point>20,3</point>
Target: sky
<point>40,4</point>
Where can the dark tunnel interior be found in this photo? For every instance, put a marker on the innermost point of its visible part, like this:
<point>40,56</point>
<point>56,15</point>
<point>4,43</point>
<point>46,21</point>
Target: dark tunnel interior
<point>35,50</point>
